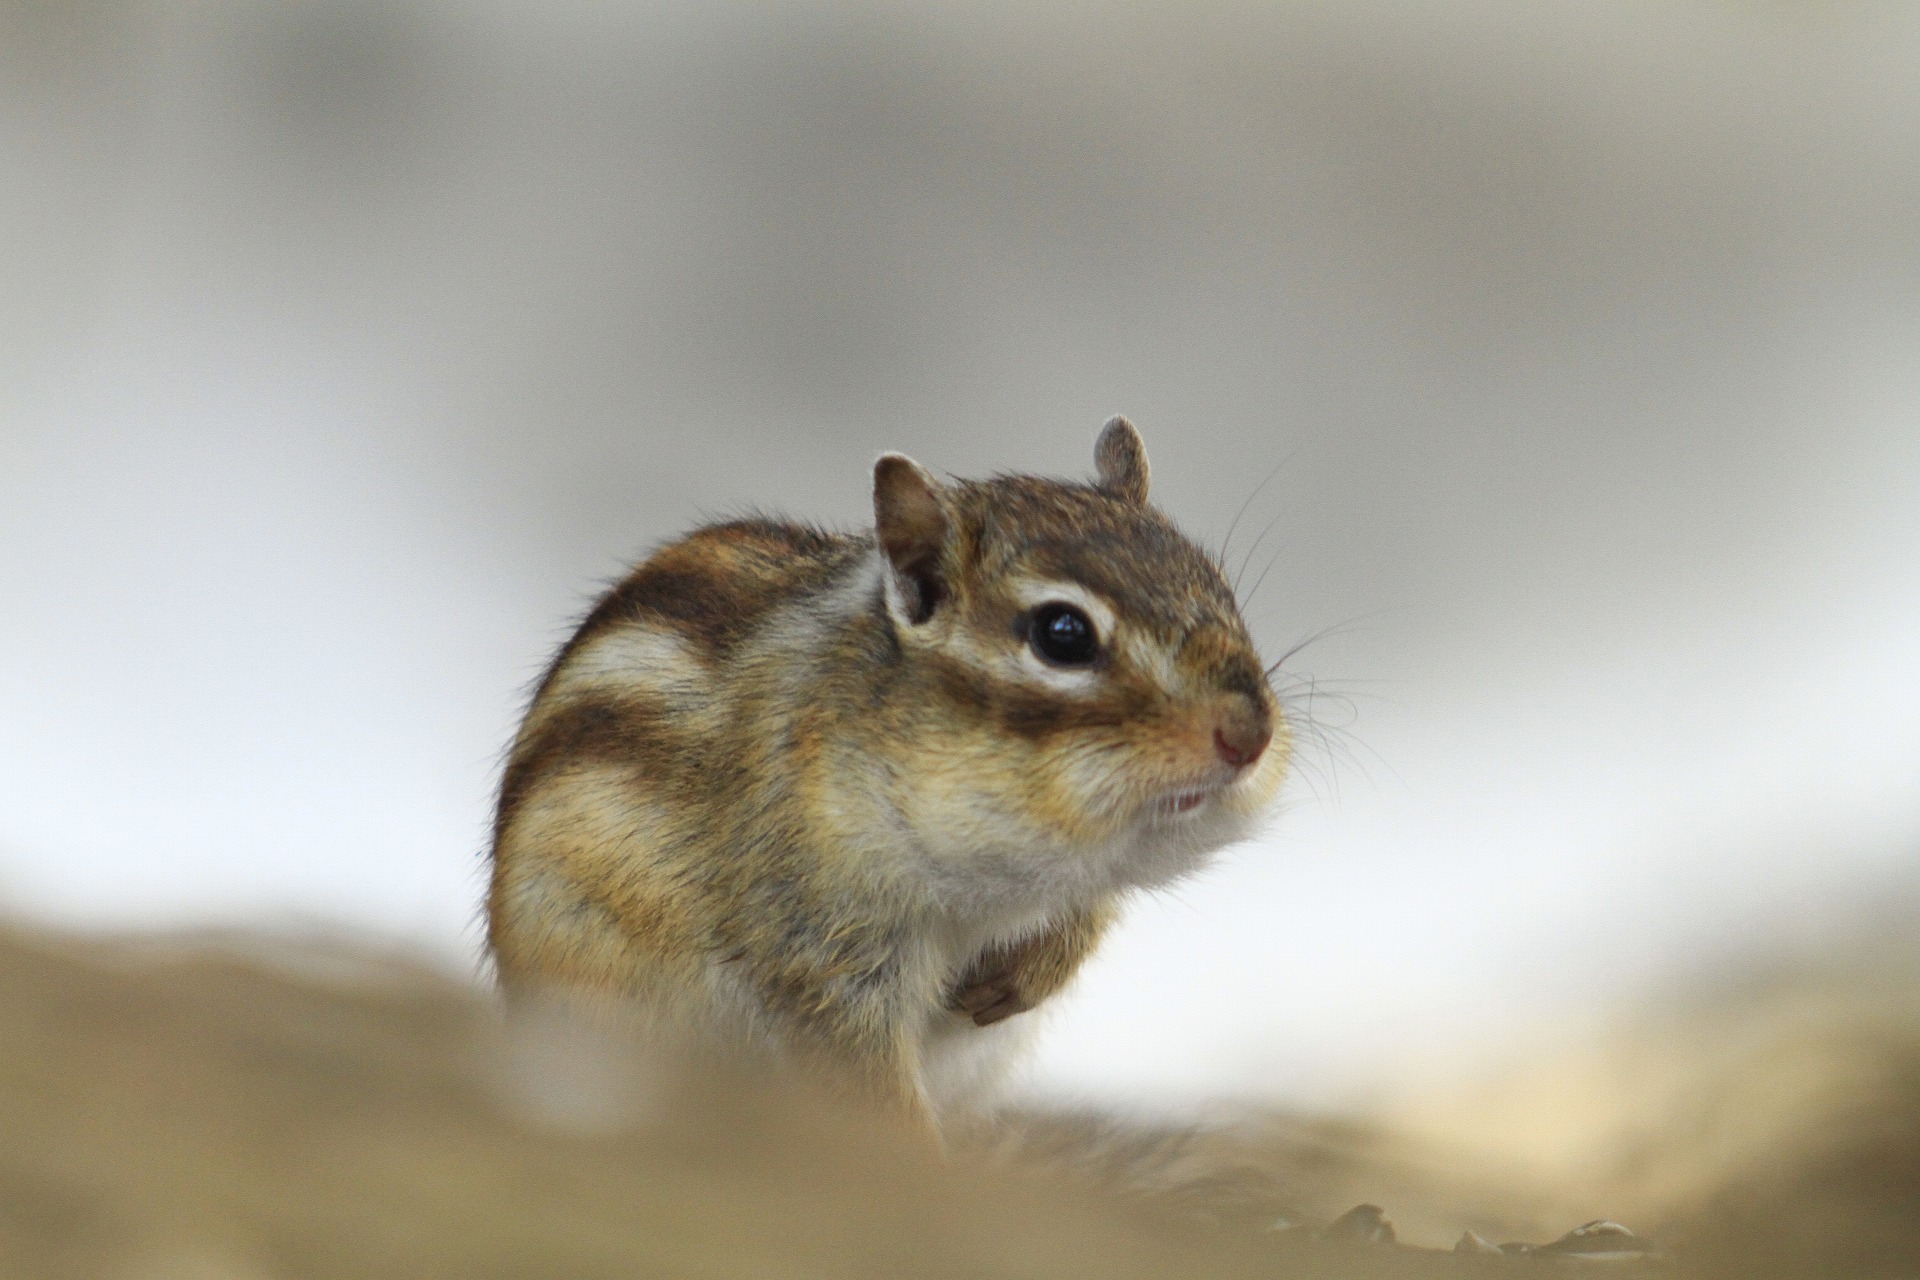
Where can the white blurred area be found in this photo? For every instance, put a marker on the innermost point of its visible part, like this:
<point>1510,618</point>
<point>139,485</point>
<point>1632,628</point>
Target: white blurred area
<point>346,346</point>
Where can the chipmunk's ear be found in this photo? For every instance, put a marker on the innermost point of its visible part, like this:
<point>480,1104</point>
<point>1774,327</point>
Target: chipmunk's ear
<point>1121,457</point>
<point>912,528</point>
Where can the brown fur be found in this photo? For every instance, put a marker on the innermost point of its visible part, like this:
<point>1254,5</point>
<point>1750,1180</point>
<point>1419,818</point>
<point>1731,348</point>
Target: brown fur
<point>814,792</point>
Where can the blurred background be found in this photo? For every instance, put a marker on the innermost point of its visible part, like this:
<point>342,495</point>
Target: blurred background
<point>348,346</point>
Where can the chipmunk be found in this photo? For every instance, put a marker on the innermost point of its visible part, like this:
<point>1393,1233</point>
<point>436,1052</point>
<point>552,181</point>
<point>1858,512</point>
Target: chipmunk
<point>863,797</point>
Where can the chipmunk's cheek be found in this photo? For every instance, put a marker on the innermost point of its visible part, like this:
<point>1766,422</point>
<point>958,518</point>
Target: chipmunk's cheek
<point>1091,795</point>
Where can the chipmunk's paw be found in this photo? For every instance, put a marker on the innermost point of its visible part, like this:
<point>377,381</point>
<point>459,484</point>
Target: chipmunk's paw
<point>987,1000</point>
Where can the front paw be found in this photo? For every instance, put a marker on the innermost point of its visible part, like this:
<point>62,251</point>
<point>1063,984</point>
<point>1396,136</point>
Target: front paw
<point>988,1000</point>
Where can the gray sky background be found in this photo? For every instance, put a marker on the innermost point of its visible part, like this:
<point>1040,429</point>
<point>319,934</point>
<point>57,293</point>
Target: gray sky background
<point>345,346</point>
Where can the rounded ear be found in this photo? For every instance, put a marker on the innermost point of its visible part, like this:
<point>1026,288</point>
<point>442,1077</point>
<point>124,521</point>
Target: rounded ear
<point>912,529</point>
<point>1121,458</point>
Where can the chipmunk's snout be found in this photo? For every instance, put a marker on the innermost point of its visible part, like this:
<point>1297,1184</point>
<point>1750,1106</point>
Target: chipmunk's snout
<point>1219,661</point>
<point>1242,732</point>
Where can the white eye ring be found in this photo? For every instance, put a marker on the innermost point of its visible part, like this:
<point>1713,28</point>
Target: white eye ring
<point>1039,594</point>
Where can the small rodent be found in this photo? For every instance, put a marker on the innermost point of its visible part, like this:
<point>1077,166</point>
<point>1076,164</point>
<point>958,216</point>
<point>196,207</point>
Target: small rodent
<point>861,797</point>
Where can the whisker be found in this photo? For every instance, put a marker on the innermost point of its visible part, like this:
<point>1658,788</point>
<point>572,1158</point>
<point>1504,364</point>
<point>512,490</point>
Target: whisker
<point>1250,550</point>
<point>1351,748</point>
<point>1326,633</point>
<point>1227,541</point>
<point>1271,561</point>
<point>1330,747</point>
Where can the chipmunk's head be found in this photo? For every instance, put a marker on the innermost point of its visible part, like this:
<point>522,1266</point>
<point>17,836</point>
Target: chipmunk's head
<point>1091,685</point>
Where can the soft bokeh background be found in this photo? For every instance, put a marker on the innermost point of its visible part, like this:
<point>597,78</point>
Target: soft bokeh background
<point>349,345</point>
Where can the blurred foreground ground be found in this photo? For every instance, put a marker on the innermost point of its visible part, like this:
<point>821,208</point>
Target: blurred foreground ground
<point>227,1108</point>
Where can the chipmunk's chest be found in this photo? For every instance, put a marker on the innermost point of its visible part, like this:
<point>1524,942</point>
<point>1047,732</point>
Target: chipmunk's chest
<point>959,1061</point>
<point>962,1064</point>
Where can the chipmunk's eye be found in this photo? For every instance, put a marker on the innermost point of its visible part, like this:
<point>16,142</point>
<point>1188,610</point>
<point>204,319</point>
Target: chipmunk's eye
<point>1064,635</point>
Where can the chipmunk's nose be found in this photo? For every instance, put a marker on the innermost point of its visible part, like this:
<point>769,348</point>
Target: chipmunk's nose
<point>1242,733</point>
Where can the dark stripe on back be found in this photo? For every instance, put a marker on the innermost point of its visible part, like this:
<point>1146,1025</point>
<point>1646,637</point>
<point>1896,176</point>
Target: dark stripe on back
<point>594,731</point>
<point>720,583</point>
<point>717,584</point>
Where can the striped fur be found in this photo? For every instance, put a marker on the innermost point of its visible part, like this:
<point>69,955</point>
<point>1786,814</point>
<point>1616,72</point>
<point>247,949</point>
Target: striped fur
<point>814,792</point>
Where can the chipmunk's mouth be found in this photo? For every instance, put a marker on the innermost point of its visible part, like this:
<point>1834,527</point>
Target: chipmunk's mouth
<point>1186,800</point>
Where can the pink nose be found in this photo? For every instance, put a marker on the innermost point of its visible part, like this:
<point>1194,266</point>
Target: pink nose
<point>1239,742</point>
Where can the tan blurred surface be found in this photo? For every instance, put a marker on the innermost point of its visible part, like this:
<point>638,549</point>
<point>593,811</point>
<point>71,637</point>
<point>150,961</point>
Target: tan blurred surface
<point>257,1108</point>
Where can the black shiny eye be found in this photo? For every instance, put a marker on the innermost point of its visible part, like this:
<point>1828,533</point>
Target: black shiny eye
<point>1062,634</point>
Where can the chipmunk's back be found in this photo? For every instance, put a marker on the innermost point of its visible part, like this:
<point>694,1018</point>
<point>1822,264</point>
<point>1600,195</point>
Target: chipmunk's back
<point>633,739</point>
